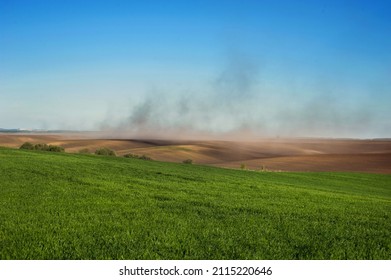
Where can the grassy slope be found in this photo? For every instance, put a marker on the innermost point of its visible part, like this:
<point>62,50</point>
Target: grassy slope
<point>63,206</point>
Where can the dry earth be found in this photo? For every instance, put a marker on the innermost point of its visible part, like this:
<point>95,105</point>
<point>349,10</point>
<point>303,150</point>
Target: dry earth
<point>270,154</point>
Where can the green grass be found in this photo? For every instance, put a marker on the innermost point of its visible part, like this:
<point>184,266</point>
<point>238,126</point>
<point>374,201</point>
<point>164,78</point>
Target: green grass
<point>72,206</point>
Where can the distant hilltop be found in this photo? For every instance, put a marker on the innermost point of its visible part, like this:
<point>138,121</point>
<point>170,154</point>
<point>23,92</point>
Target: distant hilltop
<point>15,130</point>
<point>25,130</point>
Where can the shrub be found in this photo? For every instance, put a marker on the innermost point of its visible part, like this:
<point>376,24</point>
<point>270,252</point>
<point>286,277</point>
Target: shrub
<point>41,147</point>
<point>54,148</point>
<point>105,152</point>
<point>243,166</point>
<point>27,146</point>
<point>188,161</point>
<point>144,157</point>
<point>131,156</point>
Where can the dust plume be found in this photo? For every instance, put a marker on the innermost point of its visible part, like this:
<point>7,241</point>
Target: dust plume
<point>237,104</point>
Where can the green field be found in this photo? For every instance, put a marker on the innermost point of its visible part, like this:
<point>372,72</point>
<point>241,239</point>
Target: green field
<point>70,206</point>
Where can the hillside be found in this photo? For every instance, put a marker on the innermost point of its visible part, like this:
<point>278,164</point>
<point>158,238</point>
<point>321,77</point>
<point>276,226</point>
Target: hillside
<point>295,154</point>
<point>69,206</point>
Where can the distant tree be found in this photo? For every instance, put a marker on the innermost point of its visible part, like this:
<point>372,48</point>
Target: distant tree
<point>105,152</point>
<point>188,161</point>
<point>243,166</point>
<point>27,146</point>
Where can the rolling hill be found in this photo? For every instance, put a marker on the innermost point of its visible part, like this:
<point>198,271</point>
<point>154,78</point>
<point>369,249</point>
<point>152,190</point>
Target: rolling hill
<point>71,206</point>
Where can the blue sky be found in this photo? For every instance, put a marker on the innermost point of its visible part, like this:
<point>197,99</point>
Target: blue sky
<point>267,68</point>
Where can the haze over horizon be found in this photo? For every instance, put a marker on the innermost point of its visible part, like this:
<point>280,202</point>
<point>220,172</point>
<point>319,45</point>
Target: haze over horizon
<point>206,68</point>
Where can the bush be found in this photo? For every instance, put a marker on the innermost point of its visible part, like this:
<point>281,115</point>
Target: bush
<point>131,156</point>
<point>54,148</point>
<point>144,157</point>
<point>105,152</point>
<point>188,161</point>
<point>27,146</point>
<point>41,147</point>
<point>243,166</point>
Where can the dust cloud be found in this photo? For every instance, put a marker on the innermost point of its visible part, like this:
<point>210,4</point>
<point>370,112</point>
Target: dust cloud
<point>237,104</point>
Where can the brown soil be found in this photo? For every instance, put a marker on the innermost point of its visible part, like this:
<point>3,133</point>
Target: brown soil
<point>270,154</point>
